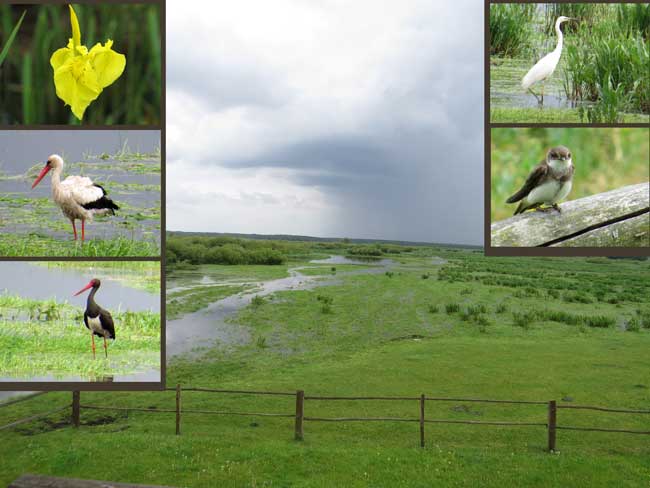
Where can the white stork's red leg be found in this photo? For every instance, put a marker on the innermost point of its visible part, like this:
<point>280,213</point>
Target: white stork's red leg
<point>105,350</point>
<point>83,230</point>
<point>74,228</point>
<point>92,338</point>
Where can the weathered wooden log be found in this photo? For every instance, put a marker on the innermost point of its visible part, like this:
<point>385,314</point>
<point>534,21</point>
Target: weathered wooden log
<point>36,481</point>
<point>617,218</point>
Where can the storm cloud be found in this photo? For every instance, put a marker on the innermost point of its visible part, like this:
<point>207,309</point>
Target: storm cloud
<point>327,118</point>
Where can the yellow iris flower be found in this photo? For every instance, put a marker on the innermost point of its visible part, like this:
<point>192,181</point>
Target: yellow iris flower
<point>81,75</point>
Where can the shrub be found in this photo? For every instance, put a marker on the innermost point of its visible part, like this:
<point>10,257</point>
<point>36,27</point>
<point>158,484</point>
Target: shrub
<point>257,301</point>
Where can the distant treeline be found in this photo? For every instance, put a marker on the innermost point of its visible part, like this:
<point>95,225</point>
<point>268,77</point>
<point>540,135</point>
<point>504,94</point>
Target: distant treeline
<point>222,250</point>
<point>194,249</point>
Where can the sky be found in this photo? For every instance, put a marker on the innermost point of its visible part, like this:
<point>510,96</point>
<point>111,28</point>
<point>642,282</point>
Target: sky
<point>328,118</point>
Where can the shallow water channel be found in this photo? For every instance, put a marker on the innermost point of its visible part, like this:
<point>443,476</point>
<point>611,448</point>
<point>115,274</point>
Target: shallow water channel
<point>204,328</point>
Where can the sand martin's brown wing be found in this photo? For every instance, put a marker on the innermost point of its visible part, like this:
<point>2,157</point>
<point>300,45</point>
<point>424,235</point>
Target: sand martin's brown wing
<point>535,177</point>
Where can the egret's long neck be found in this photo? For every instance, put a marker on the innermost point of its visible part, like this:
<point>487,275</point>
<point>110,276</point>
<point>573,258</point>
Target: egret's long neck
<point>560,37</point>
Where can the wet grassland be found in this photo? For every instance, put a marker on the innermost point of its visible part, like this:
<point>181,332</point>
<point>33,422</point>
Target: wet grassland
<point>44,339</point>
<point>443,321</point>
<point>31,224</point>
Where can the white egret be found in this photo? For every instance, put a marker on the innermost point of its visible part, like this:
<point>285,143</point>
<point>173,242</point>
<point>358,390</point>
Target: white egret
<point>544,68</point>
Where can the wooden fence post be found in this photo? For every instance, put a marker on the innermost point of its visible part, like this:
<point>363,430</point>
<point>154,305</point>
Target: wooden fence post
<point>422,420</point>
<point>552,423</point>
<point>178,409</point>
<point>300,414</point>
<point>76,408</point>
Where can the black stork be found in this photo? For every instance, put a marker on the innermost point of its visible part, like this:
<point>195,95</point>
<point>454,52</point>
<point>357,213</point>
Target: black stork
<point>98,321</point>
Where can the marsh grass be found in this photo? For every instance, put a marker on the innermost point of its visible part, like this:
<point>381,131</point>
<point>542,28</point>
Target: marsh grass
<point>27,93</point>
<point>611,70</point>
<point>37,245</point>
<point>197,297</point>
<point>510,28</point>
<point>45,338</point>
<point>603,71</point>
<point>380,343</point>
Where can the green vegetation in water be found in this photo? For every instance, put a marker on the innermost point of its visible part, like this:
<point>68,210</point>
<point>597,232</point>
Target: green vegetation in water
<point>381,339</point>
<point>46,338</point>
<point>605,159</point>
<point>199,297</point>
<point>604,66</point>
<point>510,28</point>
<point>38,245</point>
<point>142,275</point>
<point>554,115</point>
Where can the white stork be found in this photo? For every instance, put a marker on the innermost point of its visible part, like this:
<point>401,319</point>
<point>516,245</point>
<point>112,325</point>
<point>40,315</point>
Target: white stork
<point>78,197</point>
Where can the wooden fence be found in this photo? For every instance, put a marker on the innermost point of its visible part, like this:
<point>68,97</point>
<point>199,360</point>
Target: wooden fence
<point>550,423</point>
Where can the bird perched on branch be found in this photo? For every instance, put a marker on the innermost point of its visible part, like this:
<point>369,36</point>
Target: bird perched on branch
<point>77,196</point>
<point>545,67</point>
<point>548,183</point>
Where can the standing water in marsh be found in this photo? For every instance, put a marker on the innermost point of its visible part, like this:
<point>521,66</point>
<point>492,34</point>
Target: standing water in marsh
<point>42,331</point>
<point>209,326</point>
<point>601,75</point>
<point>125,163</point>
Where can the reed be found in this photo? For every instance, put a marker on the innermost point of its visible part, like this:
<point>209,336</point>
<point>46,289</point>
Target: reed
<point>510,28</point>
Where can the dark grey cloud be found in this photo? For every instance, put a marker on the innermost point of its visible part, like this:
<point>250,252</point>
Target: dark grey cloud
<point>409,165</point>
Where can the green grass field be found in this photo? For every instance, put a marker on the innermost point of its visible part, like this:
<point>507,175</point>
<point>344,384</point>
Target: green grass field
<point>380,338</point>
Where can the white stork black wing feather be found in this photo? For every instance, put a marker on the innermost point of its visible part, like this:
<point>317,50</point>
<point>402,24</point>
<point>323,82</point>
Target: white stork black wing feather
<point>88,194</point>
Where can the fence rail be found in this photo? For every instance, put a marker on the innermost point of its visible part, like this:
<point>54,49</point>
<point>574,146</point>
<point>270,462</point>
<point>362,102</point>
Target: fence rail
<point>550,423</point>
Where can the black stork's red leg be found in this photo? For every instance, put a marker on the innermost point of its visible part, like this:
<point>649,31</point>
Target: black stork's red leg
<point>96,319</point>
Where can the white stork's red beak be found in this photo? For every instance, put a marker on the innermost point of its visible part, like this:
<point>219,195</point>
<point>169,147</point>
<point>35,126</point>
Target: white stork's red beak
<point>41,175</point>
<point>87,287</point>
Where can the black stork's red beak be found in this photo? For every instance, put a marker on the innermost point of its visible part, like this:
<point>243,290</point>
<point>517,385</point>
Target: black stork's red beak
<point>87,287</point>
<point>42,174</point>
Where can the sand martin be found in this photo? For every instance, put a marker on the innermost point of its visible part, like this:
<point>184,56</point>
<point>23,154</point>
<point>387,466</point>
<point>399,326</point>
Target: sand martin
<point>548,183</point>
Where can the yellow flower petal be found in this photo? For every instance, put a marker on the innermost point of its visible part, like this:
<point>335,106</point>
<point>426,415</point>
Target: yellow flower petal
<point>76,84</point>
<point>59,57</point>
<point>108,64</point>
<point>80,75</point>
<point>76,33</point>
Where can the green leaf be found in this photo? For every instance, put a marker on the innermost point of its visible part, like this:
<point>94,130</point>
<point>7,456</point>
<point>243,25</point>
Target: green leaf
<point>12,36</point>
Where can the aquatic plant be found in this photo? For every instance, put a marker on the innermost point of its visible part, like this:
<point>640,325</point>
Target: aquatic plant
<point>510,28</point>
<point>81,75</point>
